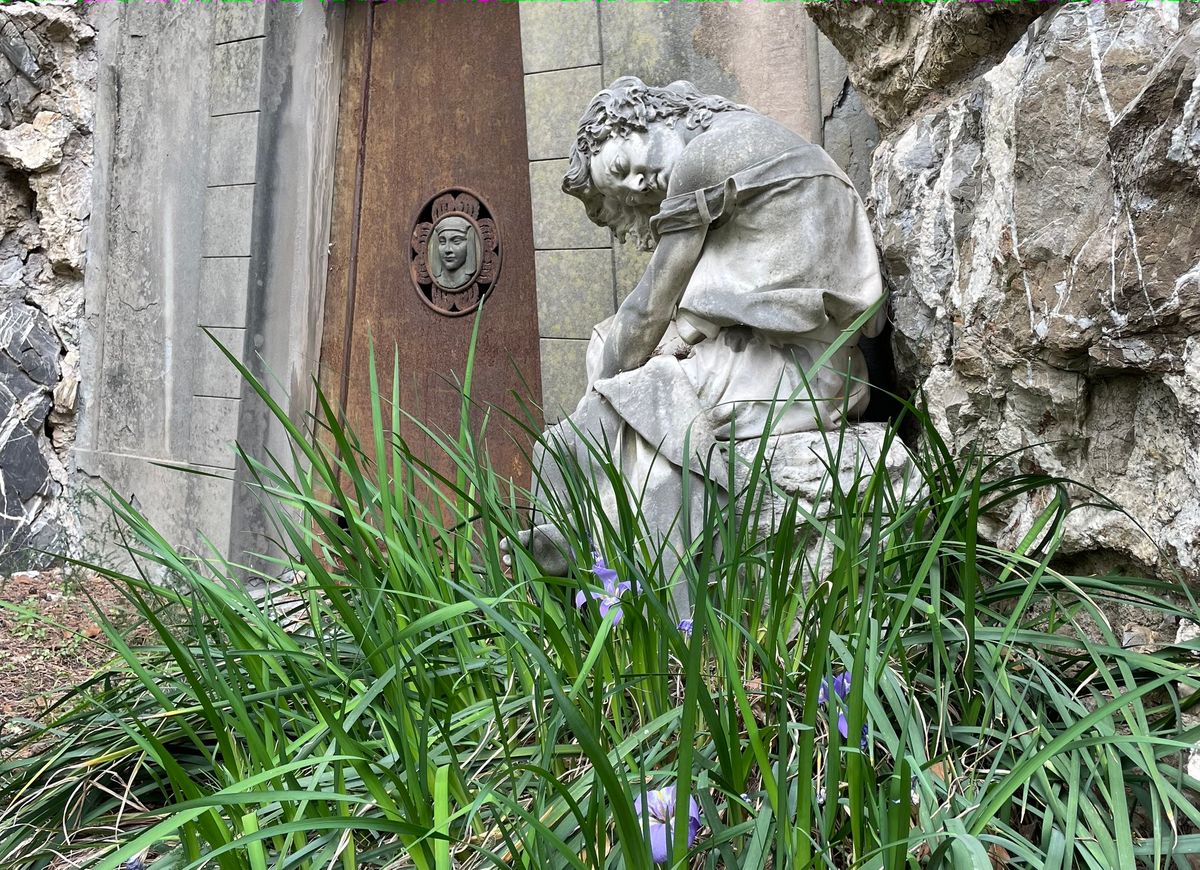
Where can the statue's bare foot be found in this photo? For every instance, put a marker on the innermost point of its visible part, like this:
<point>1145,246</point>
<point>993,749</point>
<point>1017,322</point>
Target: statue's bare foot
<point>545,543</point>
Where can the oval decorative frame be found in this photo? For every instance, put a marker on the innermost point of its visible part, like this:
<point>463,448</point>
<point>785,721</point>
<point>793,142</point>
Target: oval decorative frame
<point>461,203</point>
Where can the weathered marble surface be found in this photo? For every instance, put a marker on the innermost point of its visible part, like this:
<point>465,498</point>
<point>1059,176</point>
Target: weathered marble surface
<point>1038,226</point>
<point>801,466</point>
<point>767,55</point>
<point>47,73</point>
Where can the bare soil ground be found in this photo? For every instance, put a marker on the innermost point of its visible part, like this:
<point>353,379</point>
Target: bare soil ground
<point>50,638</point>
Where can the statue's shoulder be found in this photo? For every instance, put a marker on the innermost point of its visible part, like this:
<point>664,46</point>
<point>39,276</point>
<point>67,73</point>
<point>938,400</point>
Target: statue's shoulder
<point>735,141</point>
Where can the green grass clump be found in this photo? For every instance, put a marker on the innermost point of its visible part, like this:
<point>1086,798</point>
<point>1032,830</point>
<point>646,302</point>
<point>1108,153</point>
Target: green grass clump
<point>414,702</point>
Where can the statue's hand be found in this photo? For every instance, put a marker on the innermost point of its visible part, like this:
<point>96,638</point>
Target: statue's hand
<point>629,344</point>
<point>673,345</point>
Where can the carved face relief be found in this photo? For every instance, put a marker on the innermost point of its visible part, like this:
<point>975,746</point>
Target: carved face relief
<point>454,255</point>
<point>636,169</point>
<point>452,245</point>
<point>453,252</point>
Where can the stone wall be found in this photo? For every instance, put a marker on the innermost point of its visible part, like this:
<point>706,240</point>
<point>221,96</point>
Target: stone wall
<point>214,140</point>
<point>1036,197</point>
<point>47,77</point>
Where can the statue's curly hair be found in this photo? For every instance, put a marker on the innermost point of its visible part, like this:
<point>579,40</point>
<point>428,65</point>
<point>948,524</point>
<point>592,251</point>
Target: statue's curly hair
<point>627,106</point>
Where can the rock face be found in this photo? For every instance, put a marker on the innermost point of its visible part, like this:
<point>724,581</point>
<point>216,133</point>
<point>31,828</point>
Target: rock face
<point>47,76</point>
<point>1039,221</point>
<point>901,57</point>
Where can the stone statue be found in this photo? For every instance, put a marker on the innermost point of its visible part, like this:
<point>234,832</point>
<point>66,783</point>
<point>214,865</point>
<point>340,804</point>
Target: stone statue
<point>453,252</point>
<point>762,257</point>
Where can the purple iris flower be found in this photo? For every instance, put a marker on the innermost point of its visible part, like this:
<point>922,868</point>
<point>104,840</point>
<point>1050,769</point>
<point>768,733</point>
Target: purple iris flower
<point>685,627</point>
<point>611,596</point>
<point>841,688</point>
<point>659,805</point>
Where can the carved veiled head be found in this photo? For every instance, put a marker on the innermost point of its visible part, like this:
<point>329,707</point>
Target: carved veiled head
<point>453,252</point>
<point>628,141</point>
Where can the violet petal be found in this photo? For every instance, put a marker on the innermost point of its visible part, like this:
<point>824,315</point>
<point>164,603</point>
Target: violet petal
<point>658,842</point>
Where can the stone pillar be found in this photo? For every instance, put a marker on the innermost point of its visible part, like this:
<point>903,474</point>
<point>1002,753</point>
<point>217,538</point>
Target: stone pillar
<point>153,391</point>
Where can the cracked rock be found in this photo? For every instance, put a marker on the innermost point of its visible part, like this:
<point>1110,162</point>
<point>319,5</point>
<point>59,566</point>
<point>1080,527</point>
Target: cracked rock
<point>1034,198</point>
<point>36,146</point>
<point>47,89</point>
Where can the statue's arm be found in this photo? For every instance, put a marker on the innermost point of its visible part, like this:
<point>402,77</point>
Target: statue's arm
<point>643,317</point>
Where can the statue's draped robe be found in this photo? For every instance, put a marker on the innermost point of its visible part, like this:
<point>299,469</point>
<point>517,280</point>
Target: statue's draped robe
<point>788,263</point>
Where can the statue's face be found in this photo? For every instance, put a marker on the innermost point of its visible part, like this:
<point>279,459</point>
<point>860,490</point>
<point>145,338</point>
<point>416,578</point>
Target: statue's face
<point>452,247</point>
<point>636,169</point>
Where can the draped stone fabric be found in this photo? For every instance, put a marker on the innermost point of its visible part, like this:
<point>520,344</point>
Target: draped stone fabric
<point>788,251</point>
<point>788,262</point>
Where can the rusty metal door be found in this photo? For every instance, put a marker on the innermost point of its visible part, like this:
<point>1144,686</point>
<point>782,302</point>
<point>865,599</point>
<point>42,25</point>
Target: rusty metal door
<point>432,127</point>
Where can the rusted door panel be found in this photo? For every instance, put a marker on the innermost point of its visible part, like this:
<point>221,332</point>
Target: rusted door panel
<point>445,109</point>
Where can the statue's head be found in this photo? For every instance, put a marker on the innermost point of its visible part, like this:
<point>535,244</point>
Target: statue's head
<point>453,252</point>
<point>628,142</point>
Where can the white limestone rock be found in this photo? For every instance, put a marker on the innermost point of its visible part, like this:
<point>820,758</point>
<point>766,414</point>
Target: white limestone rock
<point>35,146</point>
<point>1037,221</point>
<point>64,203</point>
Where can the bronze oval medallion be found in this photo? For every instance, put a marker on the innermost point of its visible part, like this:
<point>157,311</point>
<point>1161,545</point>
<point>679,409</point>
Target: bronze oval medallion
<point>455,252</point>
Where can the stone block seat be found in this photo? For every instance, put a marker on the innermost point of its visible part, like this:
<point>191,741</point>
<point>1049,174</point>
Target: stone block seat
<point>800,467</point>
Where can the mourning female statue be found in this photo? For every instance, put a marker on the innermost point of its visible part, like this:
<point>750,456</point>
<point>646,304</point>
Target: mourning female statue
<point>762,257</point>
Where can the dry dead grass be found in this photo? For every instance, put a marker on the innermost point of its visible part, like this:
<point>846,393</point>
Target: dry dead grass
<point>52,640</point>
